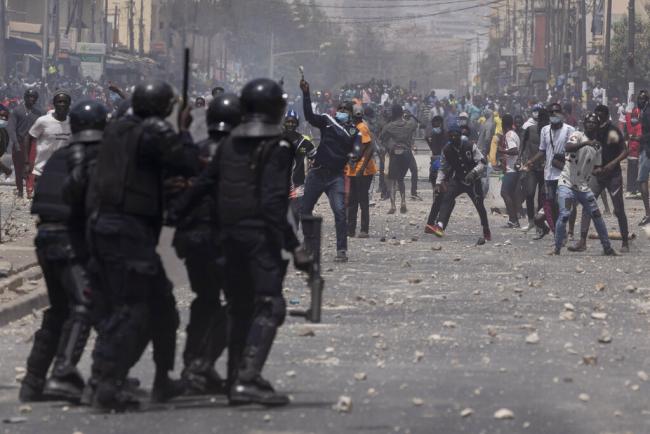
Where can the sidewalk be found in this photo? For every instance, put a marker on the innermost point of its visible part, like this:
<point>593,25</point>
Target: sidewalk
<point>20,289</point>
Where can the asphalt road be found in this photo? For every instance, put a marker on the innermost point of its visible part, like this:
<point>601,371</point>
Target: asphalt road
<point>422,341</point>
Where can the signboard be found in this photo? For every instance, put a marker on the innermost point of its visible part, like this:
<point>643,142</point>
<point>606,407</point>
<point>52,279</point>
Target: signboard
<point>91,56</point>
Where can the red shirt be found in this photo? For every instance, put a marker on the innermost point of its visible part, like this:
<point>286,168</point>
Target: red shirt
<point>633,130</point>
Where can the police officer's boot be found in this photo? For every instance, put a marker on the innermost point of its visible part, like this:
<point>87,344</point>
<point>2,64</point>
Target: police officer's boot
<point>38,363</point>
<point>66,383</point>
<point>165,388</point>
<point>250,387</point>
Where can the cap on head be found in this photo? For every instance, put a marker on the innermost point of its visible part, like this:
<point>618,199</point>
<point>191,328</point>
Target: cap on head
<point>591,118</point>
<point>291,114</point>
<point>31,93</point>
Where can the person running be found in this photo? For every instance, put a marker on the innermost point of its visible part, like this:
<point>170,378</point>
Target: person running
<point>609,176</point>
<point>583,158</point>
<point>460,172</point>
<point>436,141</point>
<point>397,136</point>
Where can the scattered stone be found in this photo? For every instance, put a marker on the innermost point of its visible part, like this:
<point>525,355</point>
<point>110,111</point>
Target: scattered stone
<point>504,413</point>
<point>567,315</point>
<point>449,324</point>
<point>414,280</point>
<point>492,332</point>
<point>457,259</point>
<point>329,350</point>
<point>418,402</point>
<point>306,333</point>
<point>15,419</point>
<point>590,360</point>
<point>466,412</point>
<point>344,404</point>
<point>5,268</point>
<point>569,307</point>
<point>642,375</point>
<point>631,288</point>
<point>406,264</point>
<point>372,392</point>
<point>291,374</point>
<point>584,397</point>
<point>599,315</point>
<point>605,337</point>
<point>419,355</point>
<point>600,286</point>
<point>267,418</point>
<point>436,247</point>
<point>25,409</point>
<point>532,338</point>
<point>360,376</point>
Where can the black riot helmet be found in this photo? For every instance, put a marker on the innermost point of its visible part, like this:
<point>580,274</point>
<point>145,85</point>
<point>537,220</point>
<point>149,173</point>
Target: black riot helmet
<point>262,103</point>
<point>224,113</point>
<point>87,121</point>
<point>153,98</point>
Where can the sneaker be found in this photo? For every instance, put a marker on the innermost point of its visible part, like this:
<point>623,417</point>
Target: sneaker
<point>511,225</point>
<point>437,230</point>
<point>416,197</point>
<point>341,256</point>
<point>579,246</point>
<point>363,234</point>
<point>487,235</point>
<point>644,221</point>
<point>429,229</point>
<point>541,233</point>
<point>610,252</point>
<point>392,210</point>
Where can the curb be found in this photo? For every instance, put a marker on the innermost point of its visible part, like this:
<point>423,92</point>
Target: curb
<point>24,304</point>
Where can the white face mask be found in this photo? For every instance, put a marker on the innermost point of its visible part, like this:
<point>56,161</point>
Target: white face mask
<point>3,123</point>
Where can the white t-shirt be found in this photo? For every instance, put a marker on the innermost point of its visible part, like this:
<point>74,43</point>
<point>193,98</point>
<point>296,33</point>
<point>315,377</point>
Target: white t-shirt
<point>50,135</point>
<point>577,172</point>
<point>511,142</point>
<point>553,145</point>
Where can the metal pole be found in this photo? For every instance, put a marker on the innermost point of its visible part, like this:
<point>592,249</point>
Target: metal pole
<point>607,48</point>
<point>141,29</point>
<point>106,23</point>
<point>56,23</point>
<point>583,39</point>
<point>514,41</point>
<point>92,21</point>
<point>271,56</point>
<point>630,48</point>
<point>44,53</point>
<point>3,36</point>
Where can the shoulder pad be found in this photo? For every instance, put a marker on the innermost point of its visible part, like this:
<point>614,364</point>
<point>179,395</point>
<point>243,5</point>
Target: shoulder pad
<point>157,125</point>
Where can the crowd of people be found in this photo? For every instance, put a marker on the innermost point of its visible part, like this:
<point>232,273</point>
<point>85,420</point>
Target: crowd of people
<point>104,179</point>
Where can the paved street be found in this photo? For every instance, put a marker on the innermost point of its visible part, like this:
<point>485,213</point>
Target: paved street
<point>424,336</point>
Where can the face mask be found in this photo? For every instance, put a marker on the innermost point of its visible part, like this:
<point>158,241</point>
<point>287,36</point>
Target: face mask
<point>3,123</point>
<point>436,130</point>
<point>342,116</point>
<point>556,119</point>
<point>462,122</point>
<point>464,139</point>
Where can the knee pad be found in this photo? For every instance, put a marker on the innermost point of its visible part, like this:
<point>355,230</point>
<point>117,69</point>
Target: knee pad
<point>273,308</point>
<point>77,284</point>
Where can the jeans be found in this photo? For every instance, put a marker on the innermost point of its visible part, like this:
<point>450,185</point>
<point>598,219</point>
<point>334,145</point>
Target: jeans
<point>632,175</point>
<point>613,184</point>
<point>567,199</point>
<point>550,203</point>
<point>509,188</point>
<point>332,183</point>
<point>413,167</point>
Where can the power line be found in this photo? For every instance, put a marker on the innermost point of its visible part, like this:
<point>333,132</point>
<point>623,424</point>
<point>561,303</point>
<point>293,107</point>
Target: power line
<point>379,6</point>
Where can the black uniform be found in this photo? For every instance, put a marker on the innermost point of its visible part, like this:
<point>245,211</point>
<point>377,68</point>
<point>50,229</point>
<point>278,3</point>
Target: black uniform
<point>195,241</point>
<point>135,157</point>
<point>250,178</point>
<point>61,253</point>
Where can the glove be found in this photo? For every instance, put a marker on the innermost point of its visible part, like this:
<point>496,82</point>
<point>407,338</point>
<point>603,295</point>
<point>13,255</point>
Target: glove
<point>302,259</point>
<point>470,177</point>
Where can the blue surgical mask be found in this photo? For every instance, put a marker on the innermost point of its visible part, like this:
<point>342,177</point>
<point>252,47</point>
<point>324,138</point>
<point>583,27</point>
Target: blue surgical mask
<point>556,119</point>
<point>342,116</point>
<point>436,130</point>
<point>3,123</point>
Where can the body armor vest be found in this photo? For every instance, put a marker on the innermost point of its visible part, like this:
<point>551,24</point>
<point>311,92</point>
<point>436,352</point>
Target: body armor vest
<point>48,199</point>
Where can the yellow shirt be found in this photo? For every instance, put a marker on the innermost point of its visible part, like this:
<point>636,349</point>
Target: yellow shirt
<point>366,140</point>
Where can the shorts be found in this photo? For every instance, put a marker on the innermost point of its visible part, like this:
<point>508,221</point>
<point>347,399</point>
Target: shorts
<point>644,167</point>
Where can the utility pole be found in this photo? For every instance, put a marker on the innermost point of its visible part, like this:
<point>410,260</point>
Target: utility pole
<point>3,39</point>
<point>131,18</point>
<point>631,31</point>
<point>92,20</point>
<point>271,58</point>
<point>514,41</point>
<point>56,23</point>
<point>80,15</point>
<point>525,39</point>
<point>116,33</point>
<point>583,39</point>
<point>45,43</point>
<point>106,24</point>
<point>607,47</point>
<point>141,29</point>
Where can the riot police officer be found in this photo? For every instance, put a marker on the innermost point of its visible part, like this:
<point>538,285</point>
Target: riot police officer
<point>251,178</point>
<point>62,255</point>
<point>138,152</point>
<point>195,242</point>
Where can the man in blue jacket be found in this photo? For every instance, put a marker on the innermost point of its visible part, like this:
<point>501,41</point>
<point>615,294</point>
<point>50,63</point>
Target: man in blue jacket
<point>338,140</point>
